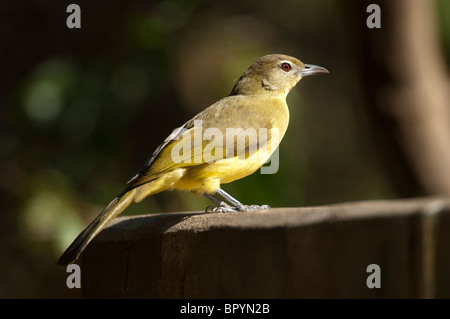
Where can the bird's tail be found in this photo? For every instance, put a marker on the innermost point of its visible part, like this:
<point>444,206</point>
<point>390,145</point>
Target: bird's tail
<point>114,208</point>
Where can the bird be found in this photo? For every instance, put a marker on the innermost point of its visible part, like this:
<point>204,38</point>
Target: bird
<point>248,126</point>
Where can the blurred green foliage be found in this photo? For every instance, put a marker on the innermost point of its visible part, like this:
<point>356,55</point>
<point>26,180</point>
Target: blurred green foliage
<point>81,110</point>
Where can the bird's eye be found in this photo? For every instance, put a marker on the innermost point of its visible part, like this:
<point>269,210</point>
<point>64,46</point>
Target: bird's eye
<point>286,67</point>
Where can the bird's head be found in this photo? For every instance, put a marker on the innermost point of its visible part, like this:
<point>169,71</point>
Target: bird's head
<point>274,74</point>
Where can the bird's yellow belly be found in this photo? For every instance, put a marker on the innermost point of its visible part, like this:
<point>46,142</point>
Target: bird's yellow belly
<point>206,178</point>
<point>229,170</point>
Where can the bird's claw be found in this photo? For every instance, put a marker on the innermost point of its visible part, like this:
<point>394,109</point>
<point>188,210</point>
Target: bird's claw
<point>249,208</point>
<point>225,208</point>
<point>222,208</point>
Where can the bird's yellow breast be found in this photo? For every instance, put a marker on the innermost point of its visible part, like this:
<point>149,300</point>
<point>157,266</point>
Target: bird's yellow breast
<point>207,177</point>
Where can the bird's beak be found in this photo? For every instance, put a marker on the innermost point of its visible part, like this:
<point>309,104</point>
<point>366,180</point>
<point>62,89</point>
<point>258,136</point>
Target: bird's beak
<point>311,69</point>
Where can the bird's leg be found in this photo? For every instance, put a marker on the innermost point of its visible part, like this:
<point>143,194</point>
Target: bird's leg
<point>240,207</point>
<point>221,207</point>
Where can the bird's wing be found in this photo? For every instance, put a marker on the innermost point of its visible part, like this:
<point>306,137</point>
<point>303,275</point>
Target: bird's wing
<point>227,129</point>
<point>136,179</point>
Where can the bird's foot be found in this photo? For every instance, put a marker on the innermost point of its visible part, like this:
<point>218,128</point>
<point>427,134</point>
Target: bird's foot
<point>225,208</point>
<point>249,208</point>
<point>222,208</point>
<point>256,207</point>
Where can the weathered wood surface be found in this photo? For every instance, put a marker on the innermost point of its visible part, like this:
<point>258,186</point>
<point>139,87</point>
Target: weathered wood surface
<point>306,252</point>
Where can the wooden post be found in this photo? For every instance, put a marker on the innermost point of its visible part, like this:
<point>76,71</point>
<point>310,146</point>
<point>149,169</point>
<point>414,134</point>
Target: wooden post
<point>309,252</point>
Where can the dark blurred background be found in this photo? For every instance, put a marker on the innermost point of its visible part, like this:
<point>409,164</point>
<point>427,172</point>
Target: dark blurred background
<point>82,109</point>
